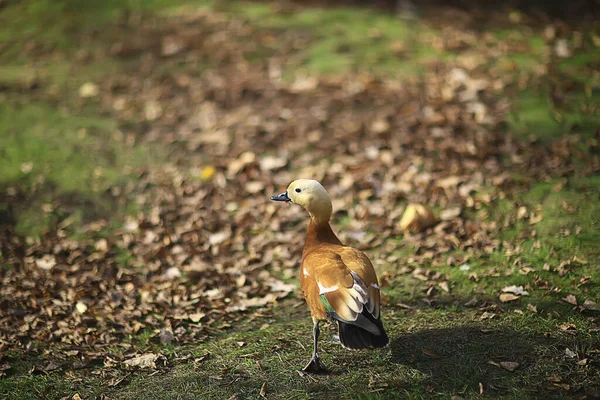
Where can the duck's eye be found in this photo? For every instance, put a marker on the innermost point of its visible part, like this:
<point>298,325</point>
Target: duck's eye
<point>298,190</point>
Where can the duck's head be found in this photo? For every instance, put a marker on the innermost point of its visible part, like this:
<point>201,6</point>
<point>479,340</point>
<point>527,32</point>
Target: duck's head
<point>310,195</point>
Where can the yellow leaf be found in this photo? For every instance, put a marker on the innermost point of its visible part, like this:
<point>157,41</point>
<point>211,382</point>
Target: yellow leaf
<point>417,218</point>
<point>207,173</point>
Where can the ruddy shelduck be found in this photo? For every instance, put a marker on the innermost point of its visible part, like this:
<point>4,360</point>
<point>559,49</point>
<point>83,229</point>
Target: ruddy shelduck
<point>338,282</point>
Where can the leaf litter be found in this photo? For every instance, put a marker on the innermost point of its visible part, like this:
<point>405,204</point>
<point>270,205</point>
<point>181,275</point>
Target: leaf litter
<point>208,247</point>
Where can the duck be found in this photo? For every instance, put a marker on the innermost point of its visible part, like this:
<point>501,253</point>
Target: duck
<point>338,282</point>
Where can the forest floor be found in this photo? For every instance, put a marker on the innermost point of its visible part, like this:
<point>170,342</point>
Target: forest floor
<point>142,259</point>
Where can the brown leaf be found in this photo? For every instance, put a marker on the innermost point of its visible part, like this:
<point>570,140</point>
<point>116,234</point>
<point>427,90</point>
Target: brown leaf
<point>149,360</point>
<point>531,307</point>
<point>471,303</point>
<point>430,353</point>
<point>509,365</point>
<point>417,218</point>
<point>568,327</point>
<point>47,262</point>
<point>518,290</point>
<point>196,317</point>
<point>506,297</point>
<point>590,305</point>
<point>166,335</point>
<point>444,286</point>
<point>571,299</point>
<point>81,307</point>
<point>450,213</point>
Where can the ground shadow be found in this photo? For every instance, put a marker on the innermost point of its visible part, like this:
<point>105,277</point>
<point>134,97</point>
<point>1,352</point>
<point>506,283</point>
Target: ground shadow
<point>469,360</point>
<point>572,13</point>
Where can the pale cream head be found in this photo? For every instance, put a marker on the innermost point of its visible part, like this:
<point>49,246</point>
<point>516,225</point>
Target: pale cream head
<point>312,196</point>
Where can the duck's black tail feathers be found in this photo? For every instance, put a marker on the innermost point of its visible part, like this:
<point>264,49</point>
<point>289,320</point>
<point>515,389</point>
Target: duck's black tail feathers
<point>353,336</point>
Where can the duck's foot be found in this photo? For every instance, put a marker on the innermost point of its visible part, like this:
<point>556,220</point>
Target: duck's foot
<point>315,366</point>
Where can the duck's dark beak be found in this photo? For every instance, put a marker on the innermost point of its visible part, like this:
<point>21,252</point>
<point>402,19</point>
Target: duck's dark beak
<point>281,197</point>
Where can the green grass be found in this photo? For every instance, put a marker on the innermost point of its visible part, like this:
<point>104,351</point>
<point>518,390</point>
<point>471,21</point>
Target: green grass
<point>567,100</point>
<point>434,353</point>
<point>345,40</point>
<point>66,160</point>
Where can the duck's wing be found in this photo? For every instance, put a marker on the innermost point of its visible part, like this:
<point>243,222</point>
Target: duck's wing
<point>347,285</point>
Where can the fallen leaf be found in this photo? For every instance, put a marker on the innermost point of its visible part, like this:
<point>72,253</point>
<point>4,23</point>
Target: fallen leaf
<point>444,286</point>
<point>417,218</point>
<point>568,327</point>
<point>531,307</point>
<point>88,89</point>
<point>166,335</point>
<point>570,353</point>
<point>47,262</point>
<point>172,273</point>
<point>450,213</point>
<point>219,237</point>
<point>471,303</point>
<point>590,305</point>
<point>518,290</point>
<point>506,297</point>
<point>149,360</point>
<point>465,267</point>
<point>80,307</point>
<point>430,353</point>
<point>171,45</point>
<point>271,163</point>
<point>571,299</point>
<point>26,167</point>
<point>196,317</point>
<point>487,315</point>
<point>509,365</point>
<point>207,173</point>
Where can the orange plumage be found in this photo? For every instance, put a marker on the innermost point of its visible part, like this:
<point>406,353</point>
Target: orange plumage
<point>338,282</point>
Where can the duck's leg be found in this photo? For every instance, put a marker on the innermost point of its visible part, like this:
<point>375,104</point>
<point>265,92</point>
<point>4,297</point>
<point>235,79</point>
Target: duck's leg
<point>315,365</point>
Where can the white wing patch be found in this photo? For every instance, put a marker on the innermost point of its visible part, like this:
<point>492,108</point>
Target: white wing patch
<point>323,289</point>
<point>305,272</point>
<point>376,286</point>
<point>360,288</point>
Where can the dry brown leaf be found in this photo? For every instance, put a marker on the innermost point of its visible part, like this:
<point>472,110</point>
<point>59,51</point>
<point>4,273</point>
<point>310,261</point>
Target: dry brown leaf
<point>509,365</point>
<point>417,218</point>
<point>430,353</point>
<point>450,213</point>
<point>444,286</point>
<point>149,360</point>
<point>81,307</point>
<point>88,89</point>
<point>571,299</point>
<point>518,290</point>
<point>263,390</point>
<point>196,317</point>
<point>590,305</point>
<point>506,297</point>
<point>47,262</point>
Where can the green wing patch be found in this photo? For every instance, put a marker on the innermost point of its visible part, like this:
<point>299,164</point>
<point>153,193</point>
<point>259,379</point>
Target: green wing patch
<point>328,307</point>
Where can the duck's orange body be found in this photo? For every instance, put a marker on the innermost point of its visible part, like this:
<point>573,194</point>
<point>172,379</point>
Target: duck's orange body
<point>338,282</point>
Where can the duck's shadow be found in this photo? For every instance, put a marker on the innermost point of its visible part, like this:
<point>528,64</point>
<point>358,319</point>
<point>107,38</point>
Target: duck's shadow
<point>467,358</point>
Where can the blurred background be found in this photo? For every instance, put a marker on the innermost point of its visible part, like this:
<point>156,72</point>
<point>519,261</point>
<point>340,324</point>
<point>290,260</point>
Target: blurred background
<point>93,92</point>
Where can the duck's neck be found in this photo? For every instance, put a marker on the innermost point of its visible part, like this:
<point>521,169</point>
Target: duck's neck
<point>317,234</point>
